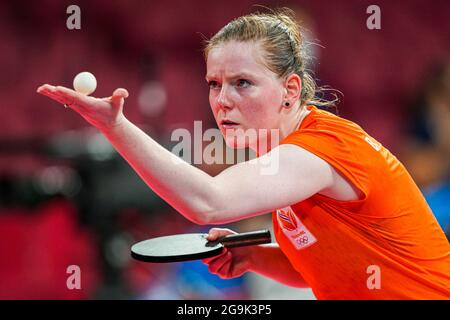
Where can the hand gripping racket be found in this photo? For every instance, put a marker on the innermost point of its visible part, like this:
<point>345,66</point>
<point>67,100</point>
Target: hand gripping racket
<point>193,246</point>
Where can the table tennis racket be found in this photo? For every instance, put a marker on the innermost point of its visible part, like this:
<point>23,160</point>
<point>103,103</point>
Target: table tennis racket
<point>193,246</point>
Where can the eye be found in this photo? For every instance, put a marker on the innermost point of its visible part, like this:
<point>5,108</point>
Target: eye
<point>242,83</point>
<point>213,84</point>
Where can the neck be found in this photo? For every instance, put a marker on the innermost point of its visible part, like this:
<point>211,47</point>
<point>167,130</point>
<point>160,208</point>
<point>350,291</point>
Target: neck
<point>292,122</point>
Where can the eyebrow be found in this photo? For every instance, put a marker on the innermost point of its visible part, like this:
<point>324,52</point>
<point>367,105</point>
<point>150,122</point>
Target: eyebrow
<point>233,76</point>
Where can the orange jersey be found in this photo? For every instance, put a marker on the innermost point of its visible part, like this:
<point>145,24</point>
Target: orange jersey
<point>388,245</point>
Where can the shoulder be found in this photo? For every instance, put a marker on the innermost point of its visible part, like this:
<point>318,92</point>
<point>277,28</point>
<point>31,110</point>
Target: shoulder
<point>322,124</point>
<point>303,164</point>
<point>340,146</point>
<point>299,163</point>
<point>328,135</point>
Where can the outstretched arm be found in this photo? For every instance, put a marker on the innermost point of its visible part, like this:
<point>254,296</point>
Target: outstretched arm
<point>241,191</point>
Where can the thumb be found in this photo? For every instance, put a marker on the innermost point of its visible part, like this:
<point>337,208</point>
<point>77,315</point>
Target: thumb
<point>216,233</point>
<point>118,96</point>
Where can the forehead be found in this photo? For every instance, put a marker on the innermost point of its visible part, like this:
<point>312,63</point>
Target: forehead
<point>235,58</point>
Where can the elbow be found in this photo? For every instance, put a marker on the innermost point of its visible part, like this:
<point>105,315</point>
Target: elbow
<point>208,216</point>
<point>194,216</point>
<point>208,210</point>
<point>202,215</point>
<point>205,218</point>
<point>200,220</point>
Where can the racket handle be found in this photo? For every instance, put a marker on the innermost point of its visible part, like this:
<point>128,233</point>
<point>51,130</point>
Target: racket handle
<point>246,239</point>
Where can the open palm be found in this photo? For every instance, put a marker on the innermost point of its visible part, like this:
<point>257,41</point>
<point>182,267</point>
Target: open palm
<point>102,113</point>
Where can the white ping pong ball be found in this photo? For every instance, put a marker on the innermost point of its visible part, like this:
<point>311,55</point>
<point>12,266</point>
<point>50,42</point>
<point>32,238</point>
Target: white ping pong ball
<point>85,83</point>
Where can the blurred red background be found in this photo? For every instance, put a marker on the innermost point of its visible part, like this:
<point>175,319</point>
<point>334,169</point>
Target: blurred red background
<point>154,49</point>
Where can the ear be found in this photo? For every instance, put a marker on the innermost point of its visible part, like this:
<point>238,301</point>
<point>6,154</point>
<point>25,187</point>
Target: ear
<point>293,88</point>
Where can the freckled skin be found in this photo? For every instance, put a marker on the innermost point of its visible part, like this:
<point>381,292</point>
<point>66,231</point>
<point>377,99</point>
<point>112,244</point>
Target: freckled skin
<point>253,99</point>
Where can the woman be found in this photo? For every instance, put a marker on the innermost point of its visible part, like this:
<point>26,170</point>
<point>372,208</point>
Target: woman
<point>349,221</point>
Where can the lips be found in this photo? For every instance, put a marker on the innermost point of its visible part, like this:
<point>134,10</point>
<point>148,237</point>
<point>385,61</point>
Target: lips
<point>225,123</point>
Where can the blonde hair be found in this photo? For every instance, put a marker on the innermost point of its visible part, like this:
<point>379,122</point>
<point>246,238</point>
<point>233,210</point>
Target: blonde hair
<point>282,41</point>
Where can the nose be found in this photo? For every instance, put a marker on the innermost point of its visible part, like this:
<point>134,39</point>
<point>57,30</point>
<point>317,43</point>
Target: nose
<point>224,100</point>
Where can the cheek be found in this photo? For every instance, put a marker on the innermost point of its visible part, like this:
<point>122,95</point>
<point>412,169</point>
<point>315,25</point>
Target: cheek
<point>211,101</point>
<point>263,107</point>
<point>213,105</point>
<point>272,97</point>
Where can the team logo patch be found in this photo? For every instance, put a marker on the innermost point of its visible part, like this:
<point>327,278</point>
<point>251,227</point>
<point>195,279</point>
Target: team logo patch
<point>287,219</point>
<point>294,229</point>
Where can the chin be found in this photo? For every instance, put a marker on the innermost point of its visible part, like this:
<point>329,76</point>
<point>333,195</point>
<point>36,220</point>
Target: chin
<point>232,144</point>
<point>239,142</point>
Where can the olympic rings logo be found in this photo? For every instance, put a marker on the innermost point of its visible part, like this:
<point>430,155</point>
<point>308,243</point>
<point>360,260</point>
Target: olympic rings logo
<point>302,241</point>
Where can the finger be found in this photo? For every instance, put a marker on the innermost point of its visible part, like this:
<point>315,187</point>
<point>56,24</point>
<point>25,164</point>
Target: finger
<point>225,270</point>
<point>62,95</point>
<point>45,87</point>
<point>215,266</point>
<point>236,270</point>
<point>50,92</point>
<point>72,95</point>
<point>58,91</point>
<point>217,261</point>
<point>209,260</point>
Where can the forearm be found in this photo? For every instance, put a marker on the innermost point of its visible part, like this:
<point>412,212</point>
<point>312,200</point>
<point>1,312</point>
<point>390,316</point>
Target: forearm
<point>269,261</point>
<point>183,186</point>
